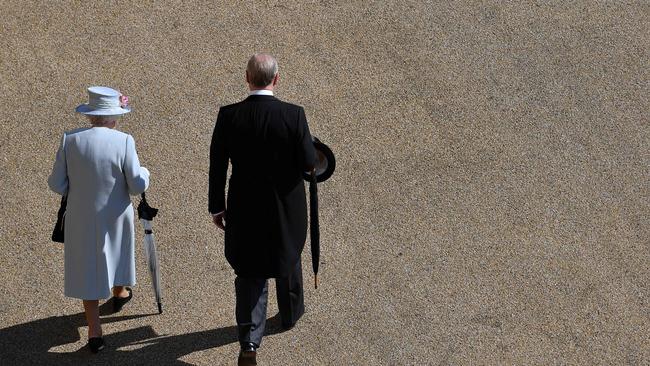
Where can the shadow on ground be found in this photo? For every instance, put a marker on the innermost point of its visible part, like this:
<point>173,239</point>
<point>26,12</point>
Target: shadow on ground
<point>31,343</point>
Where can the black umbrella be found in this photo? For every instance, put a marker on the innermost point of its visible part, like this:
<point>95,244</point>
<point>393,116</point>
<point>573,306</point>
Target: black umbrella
<point>146,214</point>
<point>313,226</point>
<point>325,165</point>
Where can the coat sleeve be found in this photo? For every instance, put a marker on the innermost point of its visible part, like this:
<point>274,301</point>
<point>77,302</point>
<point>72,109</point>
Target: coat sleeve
<point>306,151</point>
<point>137,177</point>
<point>218,166</point>
<point>58,180</point>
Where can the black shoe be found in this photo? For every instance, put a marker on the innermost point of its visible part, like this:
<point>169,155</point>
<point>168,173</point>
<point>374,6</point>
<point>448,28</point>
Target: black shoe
<point>119,302</point>
<point>286,327</point>
<point>96,344</point>
<point>276,325</point>
<point>247,355</point>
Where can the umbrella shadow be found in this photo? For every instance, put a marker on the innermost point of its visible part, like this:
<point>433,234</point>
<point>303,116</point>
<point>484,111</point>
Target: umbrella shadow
<point>31,343</point>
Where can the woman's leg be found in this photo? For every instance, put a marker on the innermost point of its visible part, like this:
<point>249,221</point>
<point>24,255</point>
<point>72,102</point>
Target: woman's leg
<point>91,308</point>
<point>120,291</point>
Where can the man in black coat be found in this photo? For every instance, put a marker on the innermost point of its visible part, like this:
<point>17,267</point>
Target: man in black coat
<point>269,146</point>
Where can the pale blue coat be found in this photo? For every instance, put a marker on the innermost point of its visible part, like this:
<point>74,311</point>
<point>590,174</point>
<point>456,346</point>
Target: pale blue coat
<point>98,168</point>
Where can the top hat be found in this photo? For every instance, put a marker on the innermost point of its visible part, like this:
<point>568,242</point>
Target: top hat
<point>104,101</point>
<point>325,162</point>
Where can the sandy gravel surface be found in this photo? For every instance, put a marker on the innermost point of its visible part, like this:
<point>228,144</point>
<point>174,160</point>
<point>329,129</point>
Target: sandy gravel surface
<point>491,204</point>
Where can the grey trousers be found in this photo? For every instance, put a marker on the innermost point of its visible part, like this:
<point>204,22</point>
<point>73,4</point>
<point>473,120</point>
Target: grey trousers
<point>251,300</point>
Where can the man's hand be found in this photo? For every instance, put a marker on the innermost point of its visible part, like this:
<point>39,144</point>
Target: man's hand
<point>218,220</point>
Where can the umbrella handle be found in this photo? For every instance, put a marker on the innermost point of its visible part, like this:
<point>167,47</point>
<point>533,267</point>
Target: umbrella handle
<point>316,280</point>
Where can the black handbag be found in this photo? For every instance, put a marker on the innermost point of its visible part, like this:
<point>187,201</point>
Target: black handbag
<point>57,233</point>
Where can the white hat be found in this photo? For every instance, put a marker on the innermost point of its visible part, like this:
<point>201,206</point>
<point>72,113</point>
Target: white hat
<point>104,101</point>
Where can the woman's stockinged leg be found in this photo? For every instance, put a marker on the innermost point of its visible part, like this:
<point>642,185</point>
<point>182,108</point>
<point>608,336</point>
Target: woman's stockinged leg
<point>91,308</point>
<point>120,291</point>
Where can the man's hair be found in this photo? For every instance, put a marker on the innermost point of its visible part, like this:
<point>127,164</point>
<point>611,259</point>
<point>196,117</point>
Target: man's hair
<point>261,68</point>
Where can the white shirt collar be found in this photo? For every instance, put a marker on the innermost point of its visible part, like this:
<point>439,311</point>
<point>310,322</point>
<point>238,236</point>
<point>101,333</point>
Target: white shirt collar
<point>261,92</point>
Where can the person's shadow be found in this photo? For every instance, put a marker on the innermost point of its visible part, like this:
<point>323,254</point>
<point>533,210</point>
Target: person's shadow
<point>30,343</point>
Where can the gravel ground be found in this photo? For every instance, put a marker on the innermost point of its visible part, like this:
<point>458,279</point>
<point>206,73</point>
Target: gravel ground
<point>490,206</point>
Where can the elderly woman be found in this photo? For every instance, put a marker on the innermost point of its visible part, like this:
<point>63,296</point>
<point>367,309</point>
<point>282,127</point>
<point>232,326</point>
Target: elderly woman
<point>97,167</point>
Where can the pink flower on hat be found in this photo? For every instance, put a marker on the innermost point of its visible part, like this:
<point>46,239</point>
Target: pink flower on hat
<point>124,101</point>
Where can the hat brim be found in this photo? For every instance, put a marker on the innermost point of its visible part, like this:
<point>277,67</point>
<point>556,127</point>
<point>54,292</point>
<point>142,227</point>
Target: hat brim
<point>326,162</point>
<point>90,111</point>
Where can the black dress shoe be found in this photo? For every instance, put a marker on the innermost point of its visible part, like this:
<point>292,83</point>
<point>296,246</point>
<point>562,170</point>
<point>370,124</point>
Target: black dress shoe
<point>247,355</point>
<point>96,344</point>
<point>119,302</point>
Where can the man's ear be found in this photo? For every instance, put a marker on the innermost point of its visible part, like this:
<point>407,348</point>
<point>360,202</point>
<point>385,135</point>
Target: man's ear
<point>248,82</point>
<point>275,79</point>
